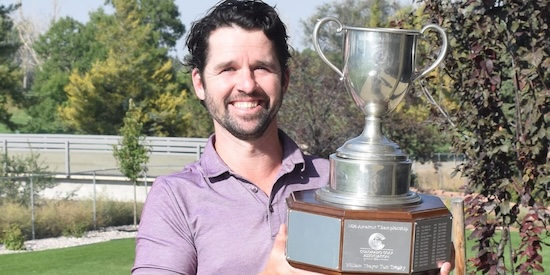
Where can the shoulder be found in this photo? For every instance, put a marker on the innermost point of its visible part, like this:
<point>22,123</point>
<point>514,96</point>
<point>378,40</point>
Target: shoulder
<point>190,177</point>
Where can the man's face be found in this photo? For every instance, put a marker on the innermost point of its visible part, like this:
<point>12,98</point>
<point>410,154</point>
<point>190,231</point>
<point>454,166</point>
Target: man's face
<point>242,83</point>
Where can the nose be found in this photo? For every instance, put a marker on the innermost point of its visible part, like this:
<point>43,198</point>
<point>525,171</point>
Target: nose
<point>246,82</point>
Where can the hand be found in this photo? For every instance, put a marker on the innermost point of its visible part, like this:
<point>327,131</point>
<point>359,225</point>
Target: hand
<point>277,263</point>
<point>446,267</point>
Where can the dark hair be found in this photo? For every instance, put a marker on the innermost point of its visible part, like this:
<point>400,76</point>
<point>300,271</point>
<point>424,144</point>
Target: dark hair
<point>247,14</point>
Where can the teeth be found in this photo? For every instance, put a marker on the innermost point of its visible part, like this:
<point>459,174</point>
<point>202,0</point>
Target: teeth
<point>245,105</point>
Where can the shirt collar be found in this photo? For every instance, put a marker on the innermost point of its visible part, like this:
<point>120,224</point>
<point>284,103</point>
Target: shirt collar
<point>213,166</point>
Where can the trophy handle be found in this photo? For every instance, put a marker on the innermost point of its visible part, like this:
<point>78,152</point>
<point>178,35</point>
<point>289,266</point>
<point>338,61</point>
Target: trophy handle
<point>442,53</point>
<point>318,25</point>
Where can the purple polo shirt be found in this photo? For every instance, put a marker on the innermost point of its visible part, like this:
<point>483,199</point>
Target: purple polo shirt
<point>208,220</point>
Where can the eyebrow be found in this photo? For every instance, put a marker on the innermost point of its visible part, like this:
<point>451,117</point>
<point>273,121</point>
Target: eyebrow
<point>262,63</point>
<point>223,65</point>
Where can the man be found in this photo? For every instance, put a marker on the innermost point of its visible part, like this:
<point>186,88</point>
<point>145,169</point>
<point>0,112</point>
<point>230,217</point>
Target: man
<point>225,213</point>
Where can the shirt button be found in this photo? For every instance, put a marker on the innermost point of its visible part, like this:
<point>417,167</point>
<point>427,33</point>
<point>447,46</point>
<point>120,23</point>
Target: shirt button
<point>254,189</point>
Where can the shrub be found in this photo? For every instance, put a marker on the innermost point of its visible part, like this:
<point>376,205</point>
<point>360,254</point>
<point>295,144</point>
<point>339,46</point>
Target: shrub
<point>13,238</point>
<point>17,174</point>
<point>76,229</point>
<point>15,213</point>
<point>55,218</point>
<point>115,213</point>
<point>63,218</point>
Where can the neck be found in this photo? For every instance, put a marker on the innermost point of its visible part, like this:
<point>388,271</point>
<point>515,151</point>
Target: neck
<point>258,161</point>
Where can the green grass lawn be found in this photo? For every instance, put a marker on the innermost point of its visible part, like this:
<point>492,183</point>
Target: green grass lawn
<point>112,257</point>
<point>117,256</point>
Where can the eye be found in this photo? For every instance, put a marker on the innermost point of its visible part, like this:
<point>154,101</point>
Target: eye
<point>262,68</point>
<point>228,69</point>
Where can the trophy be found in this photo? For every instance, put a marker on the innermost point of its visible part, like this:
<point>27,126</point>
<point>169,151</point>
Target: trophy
<point>366,220</point>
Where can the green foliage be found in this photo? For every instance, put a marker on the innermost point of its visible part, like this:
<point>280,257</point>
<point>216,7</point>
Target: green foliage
<point>11,76</point>
<point>13,238</point>
<point>18,172</point>
<point>135,67</point>
<point>163,15</point>
<point>201,124</point>
<point>357,13</point>
<point>67,45</point>
<point>89,72</point>
<point>499,67</point>
<point>76,229</point>
<point>131,153</point>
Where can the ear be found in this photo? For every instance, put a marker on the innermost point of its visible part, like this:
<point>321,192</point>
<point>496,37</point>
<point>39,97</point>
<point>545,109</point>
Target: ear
<point>286,80</point>
<point>197,83</point>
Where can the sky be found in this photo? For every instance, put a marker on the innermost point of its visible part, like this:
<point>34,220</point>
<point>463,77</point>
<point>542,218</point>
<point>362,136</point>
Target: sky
<point>290,11</point>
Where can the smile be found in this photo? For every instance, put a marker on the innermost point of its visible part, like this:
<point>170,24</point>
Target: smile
<point>246,105</point>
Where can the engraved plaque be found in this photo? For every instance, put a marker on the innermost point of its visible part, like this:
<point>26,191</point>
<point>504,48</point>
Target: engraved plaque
<point>305,230</point>
<point>376,246</point>
<point>431,242</point>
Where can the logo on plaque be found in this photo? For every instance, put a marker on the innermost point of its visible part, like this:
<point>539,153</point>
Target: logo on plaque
<point>376,241</point>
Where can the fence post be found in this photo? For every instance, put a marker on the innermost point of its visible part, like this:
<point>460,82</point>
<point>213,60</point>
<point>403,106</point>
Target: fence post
<point>94,203</point>
<point>5,150</point>
<point>145,182</point>
<point>198,151</point>
<point>67,160</point>
<point>32,208</point>
<point>457,210</point>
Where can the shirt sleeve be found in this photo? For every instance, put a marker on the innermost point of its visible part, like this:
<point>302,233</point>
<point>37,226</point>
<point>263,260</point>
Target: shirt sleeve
<point>164,243</point>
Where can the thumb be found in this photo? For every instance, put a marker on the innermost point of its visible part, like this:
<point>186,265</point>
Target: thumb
<point>445,269</point>
<point>280,240</point>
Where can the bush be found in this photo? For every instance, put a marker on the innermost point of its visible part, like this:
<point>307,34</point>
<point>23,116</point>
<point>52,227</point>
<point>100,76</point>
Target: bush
<point>13,238</point>
<point>17,174</point>
<point>55,218</point>
<point>76,229</point>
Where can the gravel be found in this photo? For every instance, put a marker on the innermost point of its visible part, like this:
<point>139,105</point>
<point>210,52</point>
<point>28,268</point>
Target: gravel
<point>96,236</point>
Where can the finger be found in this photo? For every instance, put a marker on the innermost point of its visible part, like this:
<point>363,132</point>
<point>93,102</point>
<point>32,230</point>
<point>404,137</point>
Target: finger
<point>445,269</point>
<point>279,245</point>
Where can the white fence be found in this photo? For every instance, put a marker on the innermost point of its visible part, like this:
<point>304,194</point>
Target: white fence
<point>69,146</point>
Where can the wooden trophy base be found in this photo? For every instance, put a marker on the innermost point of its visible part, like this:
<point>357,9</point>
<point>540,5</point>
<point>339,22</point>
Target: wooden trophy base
<point>338,239</point>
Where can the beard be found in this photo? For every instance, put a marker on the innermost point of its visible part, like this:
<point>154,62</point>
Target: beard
<point>234,124</point>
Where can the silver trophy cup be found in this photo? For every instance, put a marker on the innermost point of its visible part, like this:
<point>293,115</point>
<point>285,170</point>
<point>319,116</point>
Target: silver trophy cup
<point>379,67</point>
<point>366,220</point>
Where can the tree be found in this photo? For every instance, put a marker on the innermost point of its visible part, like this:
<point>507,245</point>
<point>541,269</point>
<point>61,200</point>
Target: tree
<point>18,173</point>
<point>318,113</point>
<point>357,13</point>
<point>201,125</point>
<point>11,76</point>
<point>163,16</point>
<point>132,154</point>
<point>499,66</point>
<point>67,46</point>
<point>72,48</point>
<point>135,68</point>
